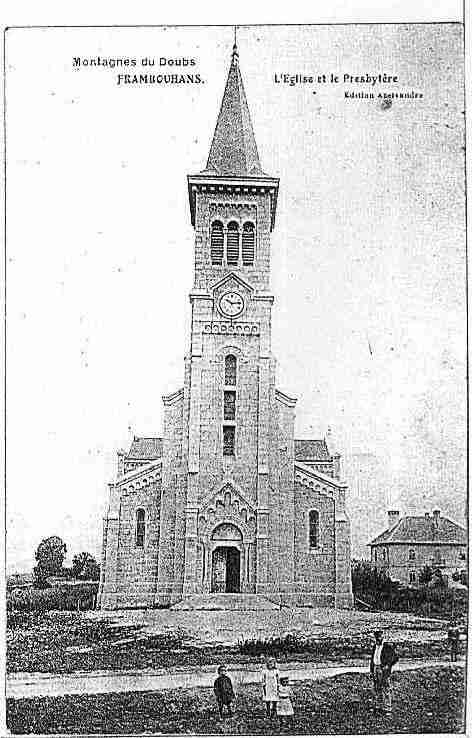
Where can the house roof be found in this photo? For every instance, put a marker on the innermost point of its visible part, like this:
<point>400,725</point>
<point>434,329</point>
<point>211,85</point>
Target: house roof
<point>311,450</point>
<point>145,448</point>
<point>233,150</point>
<point>422,529</point>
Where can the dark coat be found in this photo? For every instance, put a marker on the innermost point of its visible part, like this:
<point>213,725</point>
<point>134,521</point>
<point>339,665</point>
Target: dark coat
<point>388,656</point>
<point>223,689</point>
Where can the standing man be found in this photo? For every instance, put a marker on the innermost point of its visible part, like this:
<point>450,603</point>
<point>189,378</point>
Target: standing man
<point>382,659</point>
<point>453,635</point>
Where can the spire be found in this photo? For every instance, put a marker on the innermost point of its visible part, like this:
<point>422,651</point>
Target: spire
<point>233,150</point>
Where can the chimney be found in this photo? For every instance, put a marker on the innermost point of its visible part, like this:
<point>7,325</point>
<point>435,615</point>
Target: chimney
<point>393,518</point>
<point>436,516</point>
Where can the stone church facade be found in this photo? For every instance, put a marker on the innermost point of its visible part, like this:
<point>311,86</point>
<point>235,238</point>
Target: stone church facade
<point>227,500</point>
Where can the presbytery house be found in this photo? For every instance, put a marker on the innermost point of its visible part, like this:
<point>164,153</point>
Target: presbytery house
<point>227,501</point>
<point>412,542</point>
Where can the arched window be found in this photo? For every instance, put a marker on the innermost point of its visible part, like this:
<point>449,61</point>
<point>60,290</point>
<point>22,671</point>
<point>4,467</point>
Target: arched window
<point>248,244</point>
<point>232,244</point>
<point>140,527</point>
<point>216,245</point>
<point>313,528</point>
<point>230,370</point>
<point>229,406</point>
<point>412,554</point>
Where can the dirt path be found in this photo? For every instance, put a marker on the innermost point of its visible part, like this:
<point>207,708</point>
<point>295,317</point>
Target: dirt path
<point>22,685</point>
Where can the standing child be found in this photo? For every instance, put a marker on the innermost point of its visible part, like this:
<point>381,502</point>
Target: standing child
<point>270,687</point>
<point>284,704</point>
<point>223,689</point>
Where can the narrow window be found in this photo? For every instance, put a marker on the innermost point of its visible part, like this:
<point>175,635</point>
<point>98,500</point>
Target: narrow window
<point>412,554</point>
<point>232,244</point>
<point>313,528</point>
<point>412,577</point>
<point>248,244</point>
<point>229,405</point>
<point>216,246</point>
<point>230,370</point>
<point>140,527</point>
<point>228,440</point>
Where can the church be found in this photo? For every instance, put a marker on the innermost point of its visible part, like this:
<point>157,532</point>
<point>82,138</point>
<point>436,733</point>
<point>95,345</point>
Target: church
<point>227,503</point>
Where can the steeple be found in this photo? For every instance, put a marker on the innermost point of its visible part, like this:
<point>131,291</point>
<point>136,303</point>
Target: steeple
<point>233,165</point>
<point>233,151</point>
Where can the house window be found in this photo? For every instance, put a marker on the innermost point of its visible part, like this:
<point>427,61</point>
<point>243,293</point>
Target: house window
<point>228,440</point>
<point>140,527</point>
<point>462,556</point>
<point>384,552</point>
<point>230,370</point>
<point>232,244</point>
<point>375,555</point>
<point>313,528</point>
<point>216,242</point>
<point>412,577</point>
<point>248,244</point>
<point>412,554</point>
<point>229,405</point>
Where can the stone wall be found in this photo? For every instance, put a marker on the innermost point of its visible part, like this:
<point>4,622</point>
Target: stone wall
<point>315,568</point>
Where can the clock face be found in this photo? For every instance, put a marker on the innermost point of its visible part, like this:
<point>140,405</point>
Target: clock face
<point>231,304</point>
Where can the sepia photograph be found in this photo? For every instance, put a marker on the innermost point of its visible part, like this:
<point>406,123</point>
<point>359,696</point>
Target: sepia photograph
<point>236,379</point>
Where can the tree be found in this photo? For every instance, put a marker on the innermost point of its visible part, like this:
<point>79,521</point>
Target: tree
<point>84,566</point>
<point>371,584</point>
<point>40,578</point>
<point>50,556</point>
<point>425,575</point>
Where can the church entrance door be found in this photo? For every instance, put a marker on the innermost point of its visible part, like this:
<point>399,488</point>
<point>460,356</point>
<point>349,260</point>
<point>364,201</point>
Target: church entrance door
<point>226,569</point>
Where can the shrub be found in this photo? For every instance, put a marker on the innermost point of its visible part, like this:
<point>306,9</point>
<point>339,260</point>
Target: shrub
<point>62,597</point>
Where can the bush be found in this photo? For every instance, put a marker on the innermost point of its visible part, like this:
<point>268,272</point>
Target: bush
<point>63,597</point>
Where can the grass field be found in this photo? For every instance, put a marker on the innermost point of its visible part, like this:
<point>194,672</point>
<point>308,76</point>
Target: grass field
<point>424,701</point>
<point>66,642</point>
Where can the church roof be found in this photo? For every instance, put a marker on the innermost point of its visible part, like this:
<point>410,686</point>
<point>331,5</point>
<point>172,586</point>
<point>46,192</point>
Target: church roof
<point>233,151</point>
<point>422,529</point>
<point>145,448</point>
<point>311,450</point>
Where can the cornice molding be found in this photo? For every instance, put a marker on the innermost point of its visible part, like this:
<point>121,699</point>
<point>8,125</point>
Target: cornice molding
<point>173,397</point>
<point>306,475</point>
<point>285,399</point>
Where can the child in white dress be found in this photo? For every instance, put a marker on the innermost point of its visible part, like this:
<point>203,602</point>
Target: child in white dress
<point>270,687</point>
<point>284,703</point>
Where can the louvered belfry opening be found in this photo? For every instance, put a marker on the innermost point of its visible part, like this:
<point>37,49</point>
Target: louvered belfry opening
<point>248,244</point>
<point>232,244</point>
<point>230,370</point>
<point>217,240</point>
<point>229,406</point>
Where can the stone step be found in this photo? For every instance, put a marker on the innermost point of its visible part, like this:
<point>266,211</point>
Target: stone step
<point>225,602</point>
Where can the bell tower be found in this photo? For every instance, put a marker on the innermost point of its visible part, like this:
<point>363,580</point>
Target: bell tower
<point>230,370</point>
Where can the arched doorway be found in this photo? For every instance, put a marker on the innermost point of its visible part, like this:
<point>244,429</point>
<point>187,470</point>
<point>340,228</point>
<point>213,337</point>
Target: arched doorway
<point>226,559</point>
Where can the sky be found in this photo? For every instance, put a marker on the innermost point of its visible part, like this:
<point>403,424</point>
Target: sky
<point>368,255</point>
